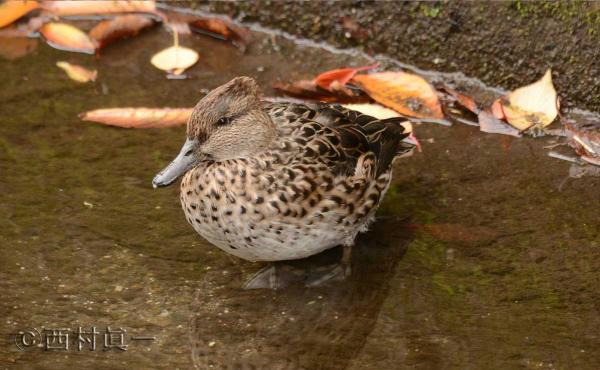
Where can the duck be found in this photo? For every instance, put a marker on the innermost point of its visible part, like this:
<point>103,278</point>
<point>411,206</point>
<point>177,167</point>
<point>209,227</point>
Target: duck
<point>278,181</point>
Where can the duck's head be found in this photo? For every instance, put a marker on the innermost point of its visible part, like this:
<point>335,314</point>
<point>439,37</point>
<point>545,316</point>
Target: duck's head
<point>227,123</point>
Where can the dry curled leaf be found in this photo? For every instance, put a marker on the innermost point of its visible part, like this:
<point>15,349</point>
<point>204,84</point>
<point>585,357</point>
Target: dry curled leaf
<point>406,93</point>
<point>63,36</point>
<point>11,10</point>
<point>341,76</point>
<point>110,30</point>
<point>77,73</point>
<point>139,117</point>
<point>221,29</point>
<point>531,106</point>
<point>12,48</point>
<point>83,7</point>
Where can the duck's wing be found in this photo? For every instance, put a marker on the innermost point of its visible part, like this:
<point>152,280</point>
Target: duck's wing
<point>341,137</point>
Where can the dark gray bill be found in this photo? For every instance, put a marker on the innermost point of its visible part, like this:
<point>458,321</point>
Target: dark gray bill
<point>185,160</point>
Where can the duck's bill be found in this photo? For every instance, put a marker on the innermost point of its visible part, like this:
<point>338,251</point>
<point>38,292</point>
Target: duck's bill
<point>185,161</point>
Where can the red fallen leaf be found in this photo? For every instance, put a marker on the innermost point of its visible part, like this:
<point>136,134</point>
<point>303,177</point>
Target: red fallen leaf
<point>406,93</point>
<point>110,30</point>
<point>308,89</point>
<point>462,99</point>
<point>221,29</point>
<point>66,37</point>
<point>139,117</point>
<point>10,11</point>
<point>342,76</point>
<point>82,7</point>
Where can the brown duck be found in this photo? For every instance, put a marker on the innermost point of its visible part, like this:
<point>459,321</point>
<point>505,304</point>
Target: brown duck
<point>282,181</point>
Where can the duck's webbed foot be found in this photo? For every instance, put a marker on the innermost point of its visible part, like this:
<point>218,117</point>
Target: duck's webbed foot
<point>336,272</point>
<point>276,275</point>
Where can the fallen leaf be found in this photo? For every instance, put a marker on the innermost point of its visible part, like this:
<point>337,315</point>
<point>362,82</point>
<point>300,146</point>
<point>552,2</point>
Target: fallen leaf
<point>83,7</point>
<point>490,124</point>
<point>11,10</point>
<point>122,26</point>
<point>175,59</point>
<point>77,73</point>
<point>139,117</point>
<point>308,89</point>
<point>584,137</point>
<point>25,29</point>
<point>531,106</point>
<point>221,29</point>
<point>406,93</point>
<point>63,36</point>
<point>12,48</point>
<point>341,76</point>
<point>462,99</point>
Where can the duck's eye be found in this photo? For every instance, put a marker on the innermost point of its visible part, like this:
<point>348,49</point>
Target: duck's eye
<point>223,121</point>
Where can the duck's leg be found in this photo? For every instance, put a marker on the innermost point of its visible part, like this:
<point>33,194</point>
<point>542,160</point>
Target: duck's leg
<point>336,272</point>
<point>275,275</point>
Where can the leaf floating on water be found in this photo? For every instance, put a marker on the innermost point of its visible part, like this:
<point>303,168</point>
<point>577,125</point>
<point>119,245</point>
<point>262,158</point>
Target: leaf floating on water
<point>11,10</point>
<point>12,48</point>
<point>139,117</point>
<point>63,36</point>
<point>78,73</point>
<point>341,76</point>
<point>406,93</point>
<point>221,29</point>
<point>531,106</point>
<point>584,137</point>
<point>490,124</point>
<point>110,30</point>
<point>175,59</point>
<point>83,7</point>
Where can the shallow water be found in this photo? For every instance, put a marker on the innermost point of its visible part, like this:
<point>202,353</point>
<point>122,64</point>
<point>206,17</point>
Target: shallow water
<point>485,255</point>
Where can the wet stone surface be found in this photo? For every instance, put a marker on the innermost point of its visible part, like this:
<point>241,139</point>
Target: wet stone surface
<point>478,260</point>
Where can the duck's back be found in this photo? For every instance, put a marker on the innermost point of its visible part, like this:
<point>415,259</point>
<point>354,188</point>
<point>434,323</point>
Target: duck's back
<point>315,188</point>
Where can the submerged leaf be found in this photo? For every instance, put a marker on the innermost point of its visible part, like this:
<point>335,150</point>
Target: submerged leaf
<point>531,106</point>
<point>77,73</point>
<point>10,11</point>
<point>110,30</point>
<point>406,93</point>
<point>82,7</point>
<point>490,124</point>
<point>139,117</point>
<point>341,76</point>
<point>66,37</point>
<point>175,59</point>
<point>221,29</point>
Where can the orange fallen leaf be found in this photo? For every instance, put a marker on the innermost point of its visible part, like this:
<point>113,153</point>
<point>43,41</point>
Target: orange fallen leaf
<point>406,93</point>
<point>139,117</point>
<point>12,48</point>
<point>66,8</point>
<point>11,10</point>
<point>77,73</point>
<point>110,30</point>
<point>531,106</point>
<point>341,76</point>
<point>222,29</point>
<point>63,36</point>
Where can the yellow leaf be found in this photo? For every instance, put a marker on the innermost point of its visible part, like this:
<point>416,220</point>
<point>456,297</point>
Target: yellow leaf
<point>11,10</point>
<point>533,105</point>
<point>175,58</point>
<point>66,37</point>
<point>77,73</point>
<point>83,7</point>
